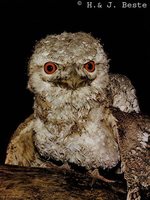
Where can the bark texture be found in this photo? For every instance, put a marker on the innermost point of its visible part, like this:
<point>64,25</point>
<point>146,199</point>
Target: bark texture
<point>21,183</point>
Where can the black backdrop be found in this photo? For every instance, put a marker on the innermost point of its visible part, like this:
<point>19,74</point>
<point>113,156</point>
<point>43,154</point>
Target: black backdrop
<point>124,32</point>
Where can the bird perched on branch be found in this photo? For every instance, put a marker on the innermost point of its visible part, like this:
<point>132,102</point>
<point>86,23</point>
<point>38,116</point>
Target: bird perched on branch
<point>73,90</point>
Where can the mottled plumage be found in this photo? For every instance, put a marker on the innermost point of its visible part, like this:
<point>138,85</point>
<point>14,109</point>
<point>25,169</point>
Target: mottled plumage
<point>134,147</point>
<point>73,90</point>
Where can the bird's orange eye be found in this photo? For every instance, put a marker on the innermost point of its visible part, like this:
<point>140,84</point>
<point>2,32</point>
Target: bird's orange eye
<point>50,67</point>
<point>90,66</point>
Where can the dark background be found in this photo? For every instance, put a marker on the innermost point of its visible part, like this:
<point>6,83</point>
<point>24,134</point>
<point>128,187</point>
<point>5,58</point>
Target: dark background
<point>124,32</point>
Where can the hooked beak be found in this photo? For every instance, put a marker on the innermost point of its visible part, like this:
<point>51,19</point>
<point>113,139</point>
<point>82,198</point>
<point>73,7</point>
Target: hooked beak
<point>74,81</point>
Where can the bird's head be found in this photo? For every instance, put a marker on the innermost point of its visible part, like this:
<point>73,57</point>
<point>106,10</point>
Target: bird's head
<point>70,61</point>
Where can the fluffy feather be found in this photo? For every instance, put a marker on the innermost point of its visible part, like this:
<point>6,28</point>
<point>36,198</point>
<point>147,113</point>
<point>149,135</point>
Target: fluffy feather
<point>72,121</point>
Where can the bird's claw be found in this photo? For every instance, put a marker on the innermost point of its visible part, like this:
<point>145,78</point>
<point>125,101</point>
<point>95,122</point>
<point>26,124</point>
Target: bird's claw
<point>96,175</point>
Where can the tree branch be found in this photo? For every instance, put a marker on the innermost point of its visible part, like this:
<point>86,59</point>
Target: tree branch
<point>22,183</point>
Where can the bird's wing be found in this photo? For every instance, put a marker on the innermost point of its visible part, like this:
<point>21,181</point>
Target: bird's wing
<point>123,93</point>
